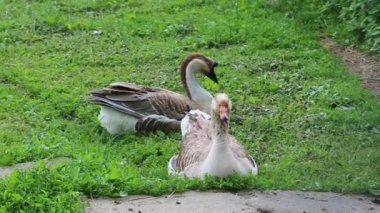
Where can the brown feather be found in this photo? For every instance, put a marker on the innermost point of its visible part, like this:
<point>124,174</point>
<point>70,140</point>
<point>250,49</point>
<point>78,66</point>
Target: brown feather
<point>196,144</point>
<point>157,122</point>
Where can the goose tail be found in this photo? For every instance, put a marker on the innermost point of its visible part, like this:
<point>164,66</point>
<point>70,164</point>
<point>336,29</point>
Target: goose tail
<point>116,115</point>
<point>172,166</point>
<point>255,170</point>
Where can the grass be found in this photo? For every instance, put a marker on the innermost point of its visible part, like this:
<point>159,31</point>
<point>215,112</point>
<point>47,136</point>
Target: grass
<point>308,123</point>
<point>350,23</point>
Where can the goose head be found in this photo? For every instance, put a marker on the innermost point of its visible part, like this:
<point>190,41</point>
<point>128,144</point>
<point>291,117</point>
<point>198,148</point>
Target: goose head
<point>197,62</point>
<point>220,111</point>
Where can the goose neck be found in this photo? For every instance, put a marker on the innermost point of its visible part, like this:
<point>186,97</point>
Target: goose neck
<point>219,130</point>
<point>193,88</point>
<point>219,156</point>
<point>192,85</point>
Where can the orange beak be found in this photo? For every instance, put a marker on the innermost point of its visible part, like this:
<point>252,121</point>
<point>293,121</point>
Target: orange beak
<point>224,112</point>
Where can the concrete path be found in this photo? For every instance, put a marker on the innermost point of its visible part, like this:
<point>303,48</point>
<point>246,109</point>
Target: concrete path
<point>252,201</point>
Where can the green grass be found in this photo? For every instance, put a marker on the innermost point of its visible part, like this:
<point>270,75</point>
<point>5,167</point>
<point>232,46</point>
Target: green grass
<point>350,23</point>
<point>308,123</point>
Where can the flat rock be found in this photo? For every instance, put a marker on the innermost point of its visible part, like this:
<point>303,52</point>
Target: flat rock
<point>7,170</point>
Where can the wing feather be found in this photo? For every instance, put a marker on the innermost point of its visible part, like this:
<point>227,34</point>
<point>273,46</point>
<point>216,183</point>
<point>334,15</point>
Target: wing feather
<point>152,123</point>
<point>196,144</point>
<point>237,148</point>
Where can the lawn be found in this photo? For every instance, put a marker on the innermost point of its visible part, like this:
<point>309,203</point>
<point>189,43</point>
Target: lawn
<point>307,121</point>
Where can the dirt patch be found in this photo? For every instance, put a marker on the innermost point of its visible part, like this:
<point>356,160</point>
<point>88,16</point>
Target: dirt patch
<point>366,66</point>
<point>252,201</point>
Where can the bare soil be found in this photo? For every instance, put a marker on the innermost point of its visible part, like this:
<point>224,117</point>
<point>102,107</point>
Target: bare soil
<point>367,67</point>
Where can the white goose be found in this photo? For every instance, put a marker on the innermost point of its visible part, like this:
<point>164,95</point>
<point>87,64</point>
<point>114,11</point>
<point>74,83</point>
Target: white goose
<point>207,148</point>
<point>129,107</point>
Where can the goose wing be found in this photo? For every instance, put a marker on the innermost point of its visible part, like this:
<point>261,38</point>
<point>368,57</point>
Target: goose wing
<point>240,152</point>
<point>153,123</point>
<point>196,144</point>
<point>140,101</point>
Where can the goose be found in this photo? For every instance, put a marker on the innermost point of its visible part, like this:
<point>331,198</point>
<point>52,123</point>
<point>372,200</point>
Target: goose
<point>207,148</point>
<point>129,107</point>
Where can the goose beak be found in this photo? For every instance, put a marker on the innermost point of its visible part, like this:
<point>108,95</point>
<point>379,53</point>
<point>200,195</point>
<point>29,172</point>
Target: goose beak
<point>224,118</point>
<point>223,112</point>
<point>211,75</point>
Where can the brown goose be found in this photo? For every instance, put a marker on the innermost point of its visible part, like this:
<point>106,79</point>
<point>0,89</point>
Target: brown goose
<point>207,148</point>
<point>129,107</point>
